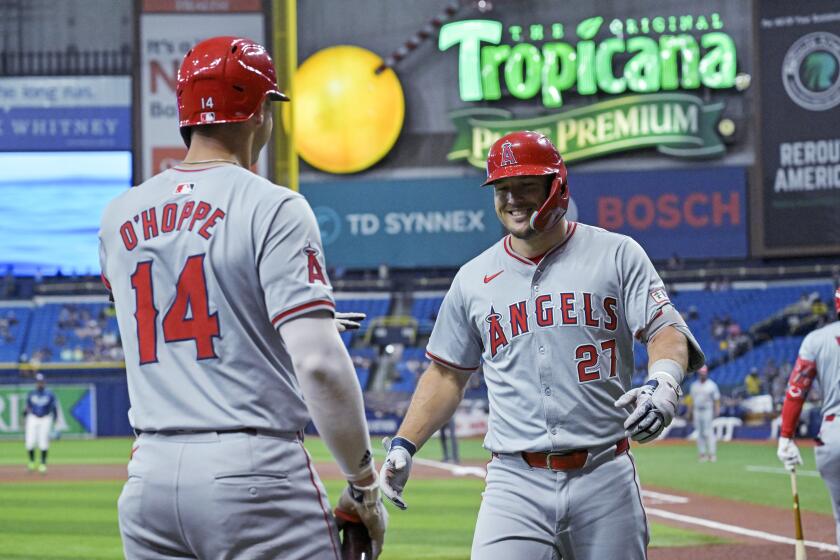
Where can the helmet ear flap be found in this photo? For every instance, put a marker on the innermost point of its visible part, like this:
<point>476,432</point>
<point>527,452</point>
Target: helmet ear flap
<point>555,205</point>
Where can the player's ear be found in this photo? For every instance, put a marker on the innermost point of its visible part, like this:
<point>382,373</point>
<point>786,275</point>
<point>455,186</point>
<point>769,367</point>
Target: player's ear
<point>263,112</point>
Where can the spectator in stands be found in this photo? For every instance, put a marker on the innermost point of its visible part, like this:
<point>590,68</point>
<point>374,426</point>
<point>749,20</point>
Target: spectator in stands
<point>692,314</point>
<point>42,355</point>
<point>752,383</point>
<point>819,312</point>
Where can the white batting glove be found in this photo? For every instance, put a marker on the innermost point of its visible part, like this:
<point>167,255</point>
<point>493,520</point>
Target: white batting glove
<point>364,502</point>
<point>349,321</point>
<point>655,405</point>
<point>788,453</point>
<point>394,473</point>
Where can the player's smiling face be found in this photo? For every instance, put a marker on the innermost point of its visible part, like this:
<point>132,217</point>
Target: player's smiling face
<point>517,198</point>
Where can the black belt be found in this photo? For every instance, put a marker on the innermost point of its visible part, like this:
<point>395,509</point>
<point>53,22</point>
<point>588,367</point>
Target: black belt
<point>249,431</point>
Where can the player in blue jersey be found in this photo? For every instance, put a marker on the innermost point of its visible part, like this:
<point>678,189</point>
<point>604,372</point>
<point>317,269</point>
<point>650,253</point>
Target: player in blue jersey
<point>41,412</point>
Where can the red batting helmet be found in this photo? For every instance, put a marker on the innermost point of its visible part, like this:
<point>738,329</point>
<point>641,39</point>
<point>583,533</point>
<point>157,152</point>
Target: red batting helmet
<point>525,153</point>
<point>223,80</point>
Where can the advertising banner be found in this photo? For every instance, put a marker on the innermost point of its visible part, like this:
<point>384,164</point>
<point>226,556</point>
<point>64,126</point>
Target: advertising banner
<point>607,81</point>
<point>166,34</point>
<point>692,213</point>
<point>76,410</point>
<point>78,113</point>
<point>409,223</point>
<point>800,139</point>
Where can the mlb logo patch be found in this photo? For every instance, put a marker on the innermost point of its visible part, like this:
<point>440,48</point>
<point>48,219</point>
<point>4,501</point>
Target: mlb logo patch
<point>184,188</point>
<point>208,117</point>
<point>659,295</point>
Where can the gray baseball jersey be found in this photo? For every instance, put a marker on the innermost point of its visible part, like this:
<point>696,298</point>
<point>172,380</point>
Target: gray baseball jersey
<point>556,338</point>
<point>822,347</point>
<point>820,355</point>
<point>704,395</point>
<point>204,265</point>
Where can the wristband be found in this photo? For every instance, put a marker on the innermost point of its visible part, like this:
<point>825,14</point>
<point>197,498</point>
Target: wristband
<point>671,367</point>
<point>405,444</point>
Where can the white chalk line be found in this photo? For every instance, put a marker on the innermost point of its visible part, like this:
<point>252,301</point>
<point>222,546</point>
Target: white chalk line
<point>456,470</point>
<point>664,498</point>
<point>736,530</point>
<point>780,470</point>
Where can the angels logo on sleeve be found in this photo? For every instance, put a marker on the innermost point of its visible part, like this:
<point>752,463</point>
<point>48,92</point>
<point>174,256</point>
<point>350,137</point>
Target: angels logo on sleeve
<point>313,267</point>
<point>659,295</point>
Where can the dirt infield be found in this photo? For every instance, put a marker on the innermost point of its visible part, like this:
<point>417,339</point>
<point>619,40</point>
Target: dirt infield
<point>695,512</point>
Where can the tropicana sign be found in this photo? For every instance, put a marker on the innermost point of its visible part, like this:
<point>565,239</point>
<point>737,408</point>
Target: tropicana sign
<point>630,61</point>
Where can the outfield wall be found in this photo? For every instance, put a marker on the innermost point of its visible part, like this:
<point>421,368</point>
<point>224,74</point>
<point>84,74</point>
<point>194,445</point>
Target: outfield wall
<point>89,406</point>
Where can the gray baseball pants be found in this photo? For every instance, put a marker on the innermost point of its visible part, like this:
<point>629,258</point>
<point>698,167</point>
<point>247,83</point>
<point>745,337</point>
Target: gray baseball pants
<point>591,513</point>
<point>828,464</point>
<point>224,496</point>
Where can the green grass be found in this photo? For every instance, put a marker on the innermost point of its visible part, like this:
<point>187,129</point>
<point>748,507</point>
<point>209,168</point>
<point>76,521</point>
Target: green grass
<point>663,536</point>
<point>59,521</point>
<point>102,451</point>
<point>675,467</point>
<point>56,520</point>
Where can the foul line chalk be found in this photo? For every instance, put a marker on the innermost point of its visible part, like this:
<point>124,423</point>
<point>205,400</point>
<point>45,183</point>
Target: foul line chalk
<point>456,470</point>
<point>780,470</point>
<point>664,498</point>
<point>737,530</point>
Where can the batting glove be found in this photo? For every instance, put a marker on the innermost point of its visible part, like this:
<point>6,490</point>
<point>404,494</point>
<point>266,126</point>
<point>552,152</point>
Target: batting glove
<point>655,405</point>
<point>394,474</point>
<point>788,453</point>
<point>365,503</point>
<point>348,321</point>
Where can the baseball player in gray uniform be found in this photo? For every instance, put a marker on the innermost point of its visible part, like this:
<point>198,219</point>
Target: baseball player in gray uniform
<point>705,407</point>
<point>552,311</point>
<point>226,317</point>
<point>819,356</point>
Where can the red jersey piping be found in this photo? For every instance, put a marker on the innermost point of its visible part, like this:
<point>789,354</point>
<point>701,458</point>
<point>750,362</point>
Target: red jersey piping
<point>448,364</point>
<point>569,233</point>
<point>302,307</point>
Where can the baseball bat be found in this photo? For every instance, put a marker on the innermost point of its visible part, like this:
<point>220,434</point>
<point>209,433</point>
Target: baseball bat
<point>797,519</point>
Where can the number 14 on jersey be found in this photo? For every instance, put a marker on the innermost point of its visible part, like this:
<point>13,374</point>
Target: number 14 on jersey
<point>188,318</point>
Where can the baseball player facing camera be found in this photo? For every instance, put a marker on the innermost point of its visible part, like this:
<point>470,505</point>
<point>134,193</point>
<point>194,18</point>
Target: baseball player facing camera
<point>41,412</point>
<point>231,340</point>
<point>552,311</point>
<point>819,356</point>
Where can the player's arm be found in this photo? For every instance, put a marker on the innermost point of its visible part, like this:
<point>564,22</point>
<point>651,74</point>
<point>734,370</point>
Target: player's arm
<point>333,396</point>
<point>672,348</point>
<point>455,350</point>
<point>329,385</point>
<point>668,344</point>
<point>799,384</point>
<point>439,392</point>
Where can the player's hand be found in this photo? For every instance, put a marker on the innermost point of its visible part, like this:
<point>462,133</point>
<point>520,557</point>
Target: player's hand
<point>365,503</point>
<point>348,321</point>
<point>788,453</point>
<point>655,405</point>
<point>394,474</point>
